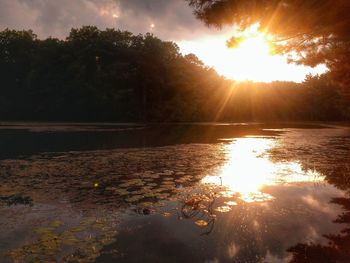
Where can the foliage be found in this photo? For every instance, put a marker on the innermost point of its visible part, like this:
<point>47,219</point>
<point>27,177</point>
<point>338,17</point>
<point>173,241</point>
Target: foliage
<point>318,31</point>
<point>113,75</point>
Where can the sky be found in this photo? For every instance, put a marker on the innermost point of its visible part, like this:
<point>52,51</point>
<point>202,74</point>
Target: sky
<point>167,19</point>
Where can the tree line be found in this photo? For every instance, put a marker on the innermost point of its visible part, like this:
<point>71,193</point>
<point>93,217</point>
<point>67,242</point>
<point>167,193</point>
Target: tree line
<point>113,75</point>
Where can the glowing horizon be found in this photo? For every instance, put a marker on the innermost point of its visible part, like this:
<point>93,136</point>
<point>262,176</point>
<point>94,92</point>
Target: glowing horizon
<point>251,60</point>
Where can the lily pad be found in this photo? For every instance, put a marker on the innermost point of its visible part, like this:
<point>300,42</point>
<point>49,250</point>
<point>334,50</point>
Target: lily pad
<point>223,209</point>
<point>134,198</point>
<point>201,223</point>
<point>231,203</point>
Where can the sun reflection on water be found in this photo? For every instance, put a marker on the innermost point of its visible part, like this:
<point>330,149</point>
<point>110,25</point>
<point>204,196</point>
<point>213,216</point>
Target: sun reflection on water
<point>249,169</point>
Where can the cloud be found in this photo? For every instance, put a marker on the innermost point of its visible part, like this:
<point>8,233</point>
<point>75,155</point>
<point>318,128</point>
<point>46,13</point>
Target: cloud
<point>171,19</point>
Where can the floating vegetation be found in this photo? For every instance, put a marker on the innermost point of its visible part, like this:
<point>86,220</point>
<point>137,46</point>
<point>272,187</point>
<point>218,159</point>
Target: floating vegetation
<point>231,203</point>
<point>256,197</point>
<point>56,223</point>
<point>162,195</point>
<point>168,178</point>
<point>145,211</point>
<point>134,198</point>
<point>114,180</point>
<point>121,191</point>
<point>223,209</point>
<point>146,204</point>
<point>166,214</point>
<point>149,185</point>
<point>201,223</point>
<point>85,240</point>
<point>159,204</point>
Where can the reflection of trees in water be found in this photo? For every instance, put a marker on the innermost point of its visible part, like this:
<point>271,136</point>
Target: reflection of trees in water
<point>338,248</point>
<point>326,152</point>
<point>339,175</point>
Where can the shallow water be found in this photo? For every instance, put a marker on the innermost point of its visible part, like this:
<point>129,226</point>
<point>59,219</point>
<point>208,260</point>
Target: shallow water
<point>174,193</point>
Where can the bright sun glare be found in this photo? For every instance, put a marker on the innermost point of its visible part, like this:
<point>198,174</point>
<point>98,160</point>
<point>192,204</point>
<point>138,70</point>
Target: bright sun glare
<point>252,59</point>
<point>249,169</point>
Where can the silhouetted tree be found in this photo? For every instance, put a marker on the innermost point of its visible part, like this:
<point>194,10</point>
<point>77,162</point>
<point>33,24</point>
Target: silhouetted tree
<point>113,75</point>
<point>318,31</point>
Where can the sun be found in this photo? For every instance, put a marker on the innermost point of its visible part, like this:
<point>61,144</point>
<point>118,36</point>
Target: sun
<point>255,58</point>
<point>254,46</point>
<point>251,59</point>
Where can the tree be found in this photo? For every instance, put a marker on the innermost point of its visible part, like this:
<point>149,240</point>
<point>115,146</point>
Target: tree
<point>113,75</point>
<point>317,30</point>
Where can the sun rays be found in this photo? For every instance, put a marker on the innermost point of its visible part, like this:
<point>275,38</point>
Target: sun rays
<point>250,58</point>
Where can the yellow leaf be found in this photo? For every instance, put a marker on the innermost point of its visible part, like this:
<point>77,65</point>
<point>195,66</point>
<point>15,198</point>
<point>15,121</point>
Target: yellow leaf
<point>201,223</point>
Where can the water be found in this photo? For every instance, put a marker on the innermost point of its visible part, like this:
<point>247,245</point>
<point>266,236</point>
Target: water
<point>174,193</point>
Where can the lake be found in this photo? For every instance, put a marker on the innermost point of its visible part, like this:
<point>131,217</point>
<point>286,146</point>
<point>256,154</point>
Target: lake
<point>174,192</point>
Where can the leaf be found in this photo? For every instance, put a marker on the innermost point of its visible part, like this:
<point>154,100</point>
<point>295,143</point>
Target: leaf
<point>56,223</point>
<point>134,198</point>
<point>201,223</point>
<point>166,214</point>
<point>231,203</point>
<point>121,191</point>
<point>223,209</point>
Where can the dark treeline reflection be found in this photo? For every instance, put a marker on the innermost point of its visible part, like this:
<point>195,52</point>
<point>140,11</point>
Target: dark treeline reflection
<point>338,248</point>
<point>113,75</point>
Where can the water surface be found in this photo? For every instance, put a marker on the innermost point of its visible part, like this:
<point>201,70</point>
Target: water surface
<point>174,193</point>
